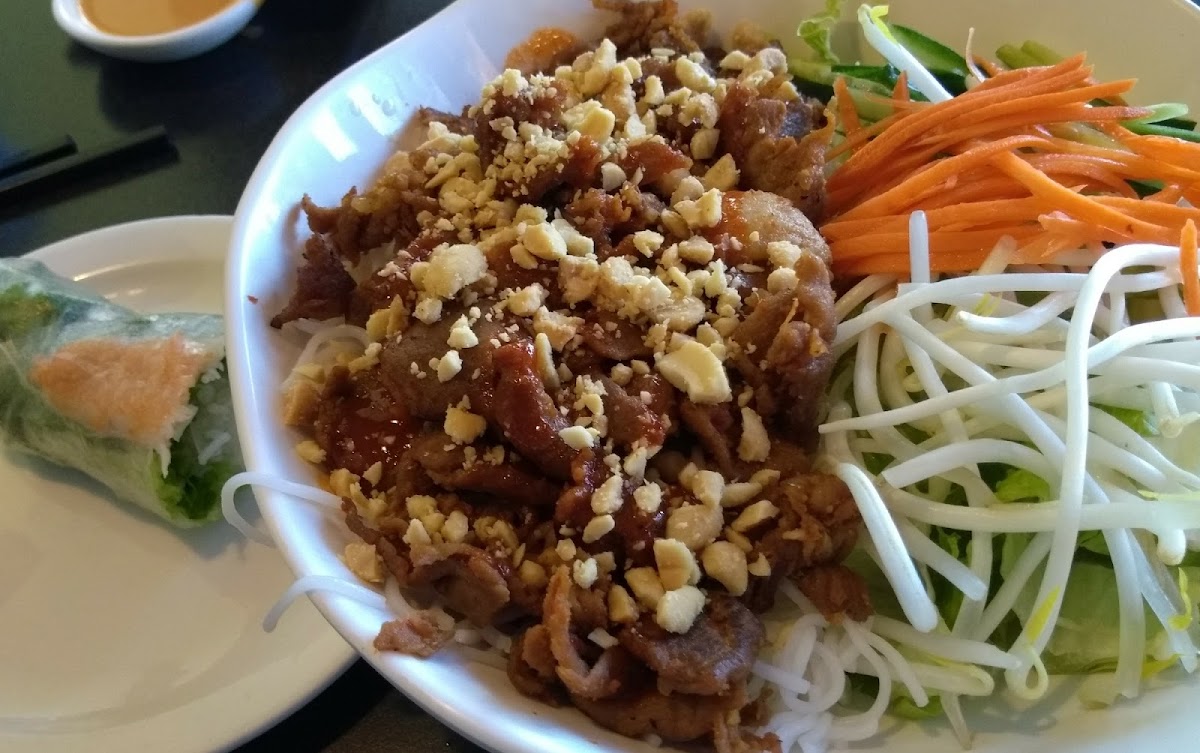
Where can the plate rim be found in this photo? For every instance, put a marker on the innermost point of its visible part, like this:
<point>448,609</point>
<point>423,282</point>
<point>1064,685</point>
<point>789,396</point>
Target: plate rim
<point>63,258</point>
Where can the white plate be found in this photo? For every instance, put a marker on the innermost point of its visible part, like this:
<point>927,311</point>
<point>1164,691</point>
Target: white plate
<point>341,137</point>
<point>117,631</point>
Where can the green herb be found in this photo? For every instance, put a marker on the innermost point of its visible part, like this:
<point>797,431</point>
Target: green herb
<point>22,312</point>
<point>876,462</point>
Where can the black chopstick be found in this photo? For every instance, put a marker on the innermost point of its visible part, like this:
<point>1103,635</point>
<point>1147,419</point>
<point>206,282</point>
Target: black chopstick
<point>85,164</point>
<point>23,159</point>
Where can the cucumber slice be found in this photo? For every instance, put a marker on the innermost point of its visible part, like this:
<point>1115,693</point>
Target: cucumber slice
<point>931,53</point>
<point>1157,129</point>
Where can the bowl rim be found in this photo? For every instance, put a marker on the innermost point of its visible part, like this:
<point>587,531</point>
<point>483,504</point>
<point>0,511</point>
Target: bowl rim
<point>69,16</point>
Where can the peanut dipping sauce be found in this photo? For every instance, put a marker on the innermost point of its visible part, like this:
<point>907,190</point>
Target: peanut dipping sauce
<point>134,18</point>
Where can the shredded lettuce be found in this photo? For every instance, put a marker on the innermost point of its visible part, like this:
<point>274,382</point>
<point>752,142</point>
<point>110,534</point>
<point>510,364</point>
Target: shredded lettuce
<point>193,483</point>
<point>946,596</point>
<point>1020,485</point>
<point>863,688</point>
<point>817,31</point>
<point>905,707</point>
<point>1135,419</point>
<point>1086,636</point>
<point>1183,621</point>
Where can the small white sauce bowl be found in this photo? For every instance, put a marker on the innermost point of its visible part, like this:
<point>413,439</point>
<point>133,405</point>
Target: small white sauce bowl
<point>155,48</point>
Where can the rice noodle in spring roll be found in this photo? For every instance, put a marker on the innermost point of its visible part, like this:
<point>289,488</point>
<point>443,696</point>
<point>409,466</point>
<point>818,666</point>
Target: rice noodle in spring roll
<point>139,402</point>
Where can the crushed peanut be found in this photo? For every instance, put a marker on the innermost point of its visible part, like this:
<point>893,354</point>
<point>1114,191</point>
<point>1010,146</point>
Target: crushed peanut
<point>374,473</point>
<point>597,528</point>
<point>461,335</point>
<point>761,567</point>
<point>463,426</point>
<point>533,574</point>
<point>369,359</point>
<point>577,437</point>
<point>754,515</point>
<point>558,328</point>
<point>755,444</point>
<point>608,497</point>
<point>566,550</point>
<point>310,452</point>
<point>739,493</point>
<point>584,572</point>
<point>648,497</point>
<point>455,528</point>
<point>694,369</point>
<point>676,564</point>
<point>696,526</point>
<point>602,638</point>
<point>340,481</point>
<point>726,563</point>
<point>723,175</point>
<point>703,212</point>
<point>678,609</point>
<point>416,535</point>
<point>452,268</point>
<point>362,560</point>
<point>645,585</point>
<point>448,366</point>
<point>622,609</point>
<point>708,486</point>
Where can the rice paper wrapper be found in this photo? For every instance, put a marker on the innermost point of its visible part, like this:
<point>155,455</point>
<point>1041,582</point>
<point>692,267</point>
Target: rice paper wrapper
<point>139,402</point>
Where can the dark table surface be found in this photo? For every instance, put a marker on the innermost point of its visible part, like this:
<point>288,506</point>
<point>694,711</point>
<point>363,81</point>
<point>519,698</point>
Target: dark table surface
<point>221,110</point>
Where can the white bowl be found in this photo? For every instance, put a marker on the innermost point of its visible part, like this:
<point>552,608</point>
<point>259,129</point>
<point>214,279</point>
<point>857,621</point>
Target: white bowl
<point>155,48</point>
<point>341,136</point>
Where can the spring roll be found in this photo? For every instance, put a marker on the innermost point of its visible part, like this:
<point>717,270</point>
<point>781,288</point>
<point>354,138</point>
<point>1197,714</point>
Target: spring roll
<point>138,402</point>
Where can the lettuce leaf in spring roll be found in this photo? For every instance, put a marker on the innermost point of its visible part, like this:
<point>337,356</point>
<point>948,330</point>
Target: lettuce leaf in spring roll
<point>138,402</point>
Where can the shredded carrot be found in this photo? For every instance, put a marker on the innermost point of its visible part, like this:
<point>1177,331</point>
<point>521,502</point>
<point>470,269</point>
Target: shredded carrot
<point>1048,245</point>
<point>1163,213</point>
<point>1188,268</point>
<point>1073,67</point>
<point>900,90</point>
<point>1170,193</point>
<point>982,188</point>
<point>846,112</point>
<point>862,136</point>
<point>1083,207</point>
<point>967,214</point>
<point>989,67</point>
<point>1165,148</point>
<point>930,178</point>
<point>1001,160</point>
